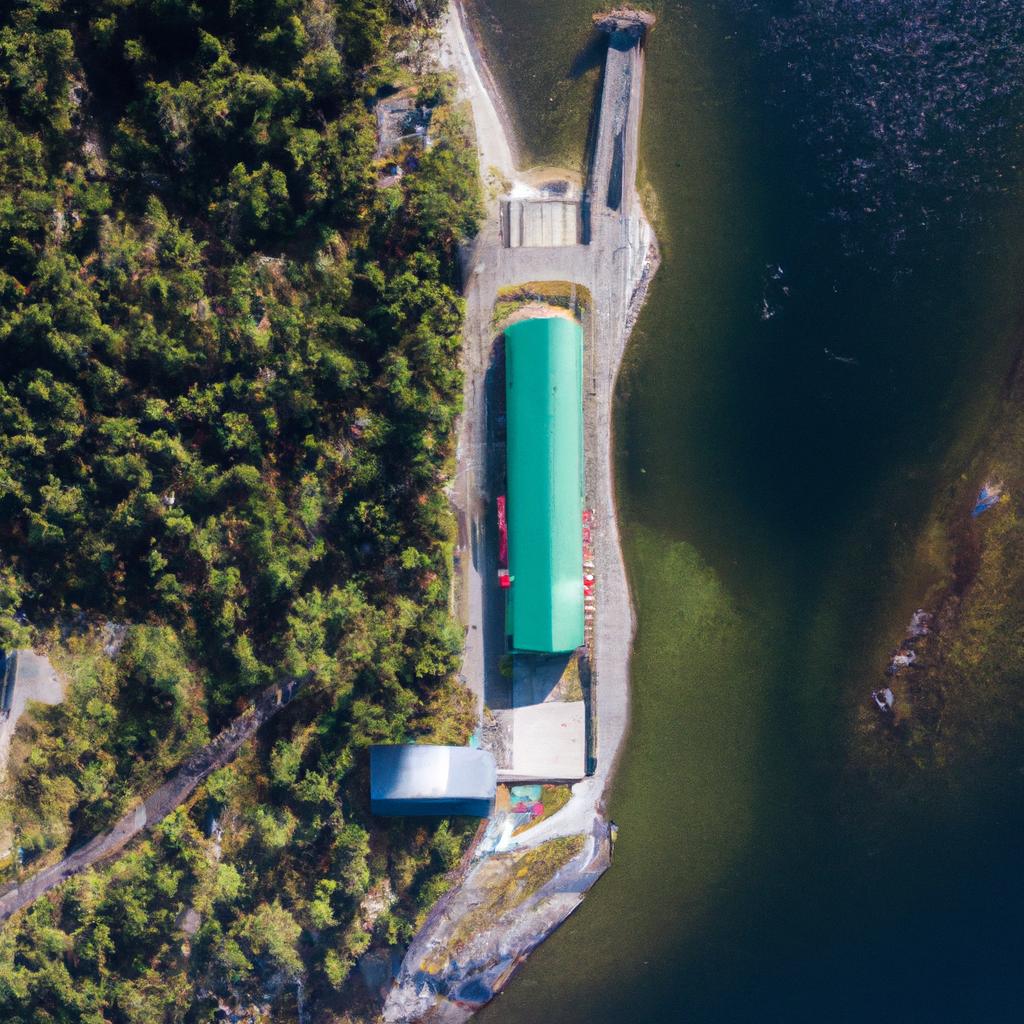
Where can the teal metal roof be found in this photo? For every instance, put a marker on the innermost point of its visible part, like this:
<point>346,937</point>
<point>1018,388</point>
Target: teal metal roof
<point>544,392</point>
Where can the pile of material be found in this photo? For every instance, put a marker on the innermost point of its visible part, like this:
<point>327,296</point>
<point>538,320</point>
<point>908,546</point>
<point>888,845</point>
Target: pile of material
<point>989,496</point>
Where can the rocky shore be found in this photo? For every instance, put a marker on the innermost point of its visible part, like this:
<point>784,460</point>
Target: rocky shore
<point>951,686</point>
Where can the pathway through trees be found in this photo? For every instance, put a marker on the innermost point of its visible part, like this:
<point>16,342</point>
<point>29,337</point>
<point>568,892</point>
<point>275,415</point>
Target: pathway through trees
<point>217,753</point>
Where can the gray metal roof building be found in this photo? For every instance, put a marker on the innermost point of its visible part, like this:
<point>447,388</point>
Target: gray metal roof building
<point>425,779</point>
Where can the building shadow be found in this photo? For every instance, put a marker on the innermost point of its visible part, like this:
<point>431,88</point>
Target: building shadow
<point>591,56</point>
<point>497,678</point>
<point>536,676</point>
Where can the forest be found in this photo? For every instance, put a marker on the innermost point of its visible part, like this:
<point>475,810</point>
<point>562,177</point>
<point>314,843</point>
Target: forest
<point>228,381</point>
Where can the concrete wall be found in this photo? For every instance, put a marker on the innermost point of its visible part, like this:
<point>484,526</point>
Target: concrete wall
<point>539,222</point>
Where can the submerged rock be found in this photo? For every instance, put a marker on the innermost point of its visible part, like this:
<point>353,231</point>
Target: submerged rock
<point>624,19</point>
<point>920,624</point>
<point>901,659</point>
<point>883,699</point>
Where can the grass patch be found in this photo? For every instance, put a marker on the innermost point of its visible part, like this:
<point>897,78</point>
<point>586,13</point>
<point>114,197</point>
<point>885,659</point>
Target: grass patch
<point>570,686</point>
<point>562,294</point>
<point>554,797</point>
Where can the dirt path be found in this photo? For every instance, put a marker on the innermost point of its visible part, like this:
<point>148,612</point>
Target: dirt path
<point>494,136</point>
<point>219,752</point>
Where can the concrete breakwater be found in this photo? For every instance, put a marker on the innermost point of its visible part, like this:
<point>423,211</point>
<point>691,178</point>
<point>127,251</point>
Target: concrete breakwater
<point>451,969</point>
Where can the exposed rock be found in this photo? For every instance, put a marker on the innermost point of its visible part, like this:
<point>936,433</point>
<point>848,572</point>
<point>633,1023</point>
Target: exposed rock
<point>903,658</point>
<point>113,636</point>
<point>376,902</point>
<point>477,935</point>
<point>378,969</point>
<point>497,737</point>
<point>189,921</point>
<point>920,624</point>
<point>406,8</point>
<point>884,699</point>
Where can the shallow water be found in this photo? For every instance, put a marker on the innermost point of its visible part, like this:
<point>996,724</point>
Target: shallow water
<point>837,308</point>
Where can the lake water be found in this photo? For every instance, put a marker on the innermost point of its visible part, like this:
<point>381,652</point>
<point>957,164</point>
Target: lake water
<point>838,195</point>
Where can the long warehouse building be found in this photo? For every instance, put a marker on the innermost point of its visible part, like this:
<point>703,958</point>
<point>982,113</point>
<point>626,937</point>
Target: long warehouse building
<point>544,397</point>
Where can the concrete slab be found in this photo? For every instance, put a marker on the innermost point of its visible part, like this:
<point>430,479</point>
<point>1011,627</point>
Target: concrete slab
<point>548,742</point>
<point>34,679</point>
<point>540,222</point>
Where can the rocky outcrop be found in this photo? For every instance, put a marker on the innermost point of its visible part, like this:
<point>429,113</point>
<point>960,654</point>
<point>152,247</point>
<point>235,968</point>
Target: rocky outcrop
<point>484,929</point>
<point>624,19</point>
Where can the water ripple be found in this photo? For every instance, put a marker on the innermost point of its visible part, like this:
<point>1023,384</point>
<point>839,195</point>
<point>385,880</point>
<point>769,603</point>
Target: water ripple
<point>911,109</point>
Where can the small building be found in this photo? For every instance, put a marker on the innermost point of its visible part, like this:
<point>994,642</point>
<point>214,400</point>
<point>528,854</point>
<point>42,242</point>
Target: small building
<point>424,779</point>
<point>544,397</point>
<point>401,123</point>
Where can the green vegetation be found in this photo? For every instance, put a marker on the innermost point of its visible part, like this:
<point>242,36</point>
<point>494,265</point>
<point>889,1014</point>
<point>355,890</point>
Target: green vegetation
<point>560,294</point>
<point>123,726</point>
<point>228,384</point>
<point>570,684</point>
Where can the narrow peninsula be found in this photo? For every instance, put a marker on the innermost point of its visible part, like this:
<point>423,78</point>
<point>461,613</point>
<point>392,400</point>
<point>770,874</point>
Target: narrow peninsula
<point>554,703</point>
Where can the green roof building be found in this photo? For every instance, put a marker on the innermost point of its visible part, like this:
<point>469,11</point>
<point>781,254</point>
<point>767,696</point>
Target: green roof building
<point>544,392</point>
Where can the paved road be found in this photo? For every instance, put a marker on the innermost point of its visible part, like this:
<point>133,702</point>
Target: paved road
<point>494,139</point>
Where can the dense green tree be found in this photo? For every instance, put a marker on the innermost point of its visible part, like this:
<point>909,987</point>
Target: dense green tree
<point>228,381</point>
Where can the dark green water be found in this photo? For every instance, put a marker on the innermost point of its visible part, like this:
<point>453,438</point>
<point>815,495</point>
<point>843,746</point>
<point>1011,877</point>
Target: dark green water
<point>772,497</point>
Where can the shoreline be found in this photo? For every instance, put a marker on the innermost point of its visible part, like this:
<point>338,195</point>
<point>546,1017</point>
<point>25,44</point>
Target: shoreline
<point>461,51</point>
